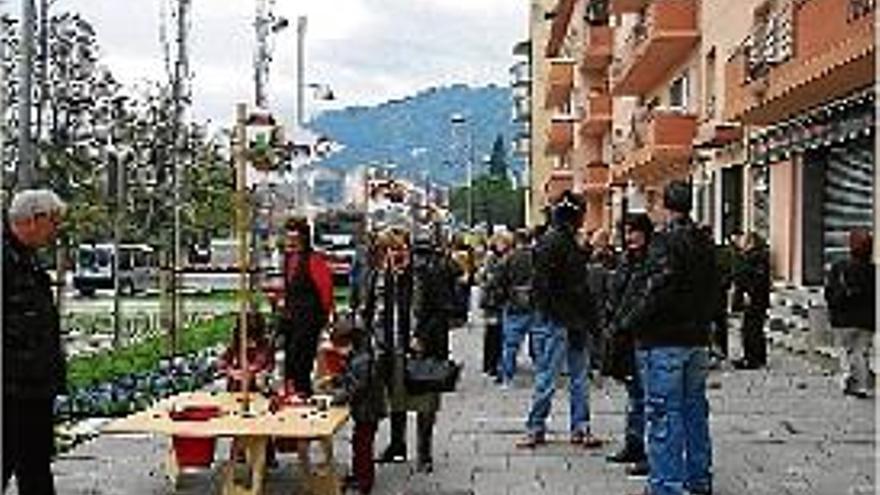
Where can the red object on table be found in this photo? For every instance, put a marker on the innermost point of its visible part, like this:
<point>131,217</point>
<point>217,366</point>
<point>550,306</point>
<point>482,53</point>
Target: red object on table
<point>194,451</point>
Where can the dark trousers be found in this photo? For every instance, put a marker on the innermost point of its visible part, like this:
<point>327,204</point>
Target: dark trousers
<point>754,341</point>
<point>424,434</point>
<point>300,350</point>
<point>719,332</point>
<point>362,454</point>
<point>28,445</point>
<point>492,348</point>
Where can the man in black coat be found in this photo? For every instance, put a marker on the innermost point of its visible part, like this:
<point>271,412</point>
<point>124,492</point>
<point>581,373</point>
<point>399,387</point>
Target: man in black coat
<point>34,369</point>
<point>752,276</point>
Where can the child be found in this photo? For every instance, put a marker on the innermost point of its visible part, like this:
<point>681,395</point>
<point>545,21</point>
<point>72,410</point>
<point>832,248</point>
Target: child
<point>260,355</point>
<point>360,386</point>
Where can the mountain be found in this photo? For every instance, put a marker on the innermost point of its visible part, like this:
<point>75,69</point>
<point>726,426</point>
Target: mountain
<point>416,133</point>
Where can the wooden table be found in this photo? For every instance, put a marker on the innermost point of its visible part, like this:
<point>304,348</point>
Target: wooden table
<point>251,431</point>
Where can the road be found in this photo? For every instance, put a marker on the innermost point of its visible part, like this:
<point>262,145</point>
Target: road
<point>783,430</point>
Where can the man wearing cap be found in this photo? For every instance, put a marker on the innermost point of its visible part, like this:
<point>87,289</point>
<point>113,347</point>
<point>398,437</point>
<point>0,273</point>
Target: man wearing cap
<point>564,313</point>
<point>671,325</point>
<point>34,369</point>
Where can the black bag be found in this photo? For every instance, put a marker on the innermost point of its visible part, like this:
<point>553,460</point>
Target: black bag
<point>430,375</point>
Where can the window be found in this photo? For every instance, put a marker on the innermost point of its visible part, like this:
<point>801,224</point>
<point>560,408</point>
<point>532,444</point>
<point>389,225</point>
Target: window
<point>678,93</point>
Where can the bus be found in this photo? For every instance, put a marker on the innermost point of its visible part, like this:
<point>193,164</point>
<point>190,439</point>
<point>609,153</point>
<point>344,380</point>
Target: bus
<point>138,268</point>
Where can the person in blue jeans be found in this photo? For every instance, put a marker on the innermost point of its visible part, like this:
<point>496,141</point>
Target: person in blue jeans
<point>564,313</point>
<point>671,323</point>
<point>620,359</point>
<point>513,284</point>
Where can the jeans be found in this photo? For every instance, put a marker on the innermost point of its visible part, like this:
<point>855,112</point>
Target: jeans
<point>677,412</point>
<point>858,344</point>
<point>754,342</point>
<point>635,415</point>
<point>551,340</point>
<point>515,326</point>
<point>362,454</point>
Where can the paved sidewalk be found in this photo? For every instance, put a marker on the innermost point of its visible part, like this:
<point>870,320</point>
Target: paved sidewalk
<point>785,430</point>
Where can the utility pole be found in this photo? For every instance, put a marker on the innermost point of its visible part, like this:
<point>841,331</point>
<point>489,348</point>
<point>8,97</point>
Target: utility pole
<point>301,25</point>
<point>181,73</point>
<point>44,67</point>
<point>26,172</point>
<point>261,55</point>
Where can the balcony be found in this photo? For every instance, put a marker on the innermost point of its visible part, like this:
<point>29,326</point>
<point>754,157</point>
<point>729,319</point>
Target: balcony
<point>521,74</point>
<point>597,177</point>
<point>711,135</point>
<point>663,39</point>
<point>561,135</point>
<point>598,49</point>
<point>597,115</point>
<point>618,7</point>
<point>522,109</point>
<point>660,145</point>
<point>812,51</point>
<point>560,180</point>
<point>522,146</point>
<point>560,82</point>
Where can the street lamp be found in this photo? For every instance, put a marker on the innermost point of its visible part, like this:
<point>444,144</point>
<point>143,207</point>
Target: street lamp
<point>457,120</point>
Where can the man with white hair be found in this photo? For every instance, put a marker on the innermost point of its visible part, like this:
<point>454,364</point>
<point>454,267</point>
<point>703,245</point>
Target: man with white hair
<point>34,370</point>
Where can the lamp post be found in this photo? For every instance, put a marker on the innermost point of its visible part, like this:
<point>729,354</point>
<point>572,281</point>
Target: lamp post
<point>457,120</point>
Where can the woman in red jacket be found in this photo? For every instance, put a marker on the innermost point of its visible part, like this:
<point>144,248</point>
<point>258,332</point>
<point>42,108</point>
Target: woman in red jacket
<point>307,305</point>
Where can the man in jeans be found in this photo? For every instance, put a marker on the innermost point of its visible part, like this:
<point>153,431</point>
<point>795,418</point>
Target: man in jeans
<point>514,284</point>
<point>671,324</point>
<point>564,312</point>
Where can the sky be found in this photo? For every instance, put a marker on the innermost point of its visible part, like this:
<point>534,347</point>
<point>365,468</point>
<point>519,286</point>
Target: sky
<point>367,51</point>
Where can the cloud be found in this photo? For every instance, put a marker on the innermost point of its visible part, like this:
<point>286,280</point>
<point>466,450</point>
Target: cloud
<point>368,51</point>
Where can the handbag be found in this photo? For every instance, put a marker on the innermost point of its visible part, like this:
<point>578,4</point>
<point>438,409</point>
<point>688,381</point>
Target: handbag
<point>430,375</point>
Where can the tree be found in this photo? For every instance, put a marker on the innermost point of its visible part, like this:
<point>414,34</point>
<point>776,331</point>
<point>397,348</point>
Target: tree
<point>496,202</point>
<point>498,158</point>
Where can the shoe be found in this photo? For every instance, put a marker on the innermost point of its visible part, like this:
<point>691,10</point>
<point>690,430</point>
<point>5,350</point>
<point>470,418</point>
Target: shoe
<point>742,364</point>
<point>626,456</point>
<point>425,466</point>
<point>531,440</point>
<point>859,394</point>
<point>591,441</point>
<point>638,469</point>
<point>392,455</point>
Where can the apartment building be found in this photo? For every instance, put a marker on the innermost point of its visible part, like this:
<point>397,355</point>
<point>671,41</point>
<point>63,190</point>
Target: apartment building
<point>521,89</point>
<point>766,106</point>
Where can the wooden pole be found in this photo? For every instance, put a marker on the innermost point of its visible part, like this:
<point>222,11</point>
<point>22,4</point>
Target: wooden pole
<point>242,229</point>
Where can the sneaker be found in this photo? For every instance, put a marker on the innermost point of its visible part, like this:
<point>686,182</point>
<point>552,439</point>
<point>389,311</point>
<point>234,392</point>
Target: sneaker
<point>591,441</point>
<point>531,440</point>
<point>425,466</point>
<point>638,469</point>
<point>392,454</point>
<point>859,394</point>
<point>626,456</point>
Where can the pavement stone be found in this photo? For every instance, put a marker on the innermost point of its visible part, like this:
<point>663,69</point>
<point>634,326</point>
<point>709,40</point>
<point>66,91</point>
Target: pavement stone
<point>786,429</point>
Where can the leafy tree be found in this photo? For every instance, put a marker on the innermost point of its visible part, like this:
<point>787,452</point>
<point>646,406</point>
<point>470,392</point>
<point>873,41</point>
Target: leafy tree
<point>496,202</point>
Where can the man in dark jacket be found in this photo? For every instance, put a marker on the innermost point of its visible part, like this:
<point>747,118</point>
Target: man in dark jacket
<point>752,276</point>
<point>625,289</point>
<point>565,313</point>
<point>671,323</point>
<point>34,369</point>
<point>851,294</point>
<point>514,284</point>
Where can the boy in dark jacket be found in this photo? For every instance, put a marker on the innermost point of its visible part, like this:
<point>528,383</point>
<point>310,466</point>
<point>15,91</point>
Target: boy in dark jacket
<point>360,386</point>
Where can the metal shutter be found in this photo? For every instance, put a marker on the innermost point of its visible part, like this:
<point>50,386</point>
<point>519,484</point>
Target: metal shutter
<point>848,191</point>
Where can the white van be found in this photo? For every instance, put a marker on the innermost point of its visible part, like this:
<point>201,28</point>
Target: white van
<point>94,268</point>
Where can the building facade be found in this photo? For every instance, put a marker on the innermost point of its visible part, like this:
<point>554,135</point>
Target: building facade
<point>765,106</point>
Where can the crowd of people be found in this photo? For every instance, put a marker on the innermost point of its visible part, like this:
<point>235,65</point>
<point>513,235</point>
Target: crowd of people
<point>653,316</point>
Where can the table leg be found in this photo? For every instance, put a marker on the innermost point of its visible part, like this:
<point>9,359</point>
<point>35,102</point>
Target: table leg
<point>324,480</point>
<point>255,456</point>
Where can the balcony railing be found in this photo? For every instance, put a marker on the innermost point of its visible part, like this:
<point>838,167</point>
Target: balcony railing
<point>598,49</point>
<point>661,137</point>
<point>521,74</point>
<point>807,52</point>
<point>560,135</point>
<point>662,39</point>
<point>597,115</point>
<point>561,82</point>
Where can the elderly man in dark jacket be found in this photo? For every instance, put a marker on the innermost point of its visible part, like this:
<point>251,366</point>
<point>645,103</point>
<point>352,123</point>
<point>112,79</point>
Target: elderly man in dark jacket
<point>565,312</point>
<point>34,370</point>
<point>671,324</point>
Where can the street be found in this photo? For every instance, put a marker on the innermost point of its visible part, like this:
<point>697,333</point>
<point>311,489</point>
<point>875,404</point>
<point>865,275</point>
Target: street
<point>784,430</point>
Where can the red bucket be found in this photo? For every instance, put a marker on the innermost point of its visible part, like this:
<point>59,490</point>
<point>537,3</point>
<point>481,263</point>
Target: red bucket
<point>194,451</point>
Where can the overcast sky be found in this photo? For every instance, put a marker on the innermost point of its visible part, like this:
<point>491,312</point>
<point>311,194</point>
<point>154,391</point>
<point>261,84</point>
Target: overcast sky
<point>368,51</point>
